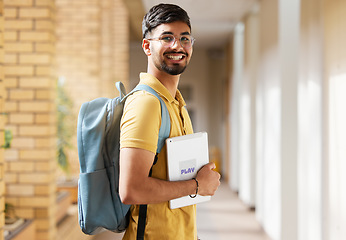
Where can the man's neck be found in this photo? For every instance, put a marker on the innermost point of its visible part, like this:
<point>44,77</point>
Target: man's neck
<point>169,81</point>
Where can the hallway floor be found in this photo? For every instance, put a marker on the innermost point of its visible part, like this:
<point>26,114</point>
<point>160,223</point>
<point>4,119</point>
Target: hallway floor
<point>225,217</point>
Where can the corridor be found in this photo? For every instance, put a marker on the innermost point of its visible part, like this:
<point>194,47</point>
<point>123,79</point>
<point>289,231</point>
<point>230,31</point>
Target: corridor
<point>223,218</point>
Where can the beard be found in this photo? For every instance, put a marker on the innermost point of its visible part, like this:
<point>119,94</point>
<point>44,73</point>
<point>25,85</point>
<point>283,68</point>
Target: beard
<point>176,69</point>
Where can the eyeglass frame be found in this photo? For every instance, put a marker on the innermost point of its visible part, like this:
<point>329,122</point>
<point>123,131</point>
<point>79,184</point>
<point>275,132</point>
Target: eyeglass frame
<point>174,39</point>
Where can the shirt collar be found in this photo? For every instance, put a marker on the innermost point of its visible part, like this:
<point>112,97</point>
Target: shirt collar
<point>154,83</point>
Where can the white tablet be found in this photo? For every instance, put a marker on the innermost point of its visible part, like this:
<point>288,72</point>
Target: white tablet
<point>185,156</point>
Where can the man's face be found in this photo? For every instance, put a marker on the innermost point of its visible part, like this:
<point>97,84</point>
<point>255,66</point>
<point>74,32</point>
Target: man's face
<point>171,58</point>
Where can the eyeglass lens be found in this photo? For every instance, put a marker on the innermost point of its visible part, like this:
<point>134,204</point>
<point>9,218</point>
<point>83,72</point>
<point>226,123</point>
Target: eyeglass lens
<point>169,40</point>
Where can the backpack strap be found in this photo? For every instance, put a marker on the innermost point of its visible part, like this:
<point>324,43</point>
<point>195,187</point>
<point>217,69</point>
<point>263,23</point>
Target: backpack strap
<point>121,89</point>
<point>165,127</point>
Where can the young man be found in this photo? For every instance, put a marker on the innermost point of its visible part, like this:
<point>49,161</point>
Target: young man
<point>167,42</point>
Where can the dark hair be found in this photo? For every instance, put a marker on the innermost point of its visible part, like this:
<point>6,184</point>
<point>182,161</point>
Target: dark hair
<point>163,13</point>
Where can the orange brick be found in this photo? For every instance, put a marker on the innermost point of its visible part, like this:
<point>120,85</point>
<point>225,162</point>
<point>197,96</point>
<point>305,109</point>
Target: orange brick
<point>44,118</point>
<point>19,70</point>
<point>34,12</point>
<point>45,166</point>
<point>10,58</point>
<point>45,142</point>
<point>18,3</point>
<point>11,82</point>
<point>20,166</point>
<point>11,154</point>
<point>35,201</point>
<point>20,142</point>
<point>20,190</point>
<point>44,25</point>
<point>44,234</point>
<point>34,130</point>
<point>2,204</point>
<point>12,128</point>
<point>43,94</point>
<point>47,3</point>
<point>2,137</point>
<point>1,35</point>
<point>10,178</point>
<point>42,213</point>
<point>21,94</point>
<point>45,47</point>
<point>27,213</point>
<point>35,36</point>
<point>35,58</point>
<point>2,190</point>
<point>45,189</point>
<point>5,95</point>
<point>43,71</point>
<point>11,107</point>
<point>10,35</point>
<point>6,166</point>
<point>21,118</point>
<point>10,12</point>
<point>35,82</point>
<point>2,168</point>
<point>43,224</point>
<point>35,106</point>
<point>35,154</point>
<point>18,47</point>
<point>18,25</point>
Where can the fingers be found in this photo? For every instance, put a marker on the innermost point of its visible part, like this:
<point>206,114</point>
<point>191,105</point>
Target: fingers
<point>209,179</point>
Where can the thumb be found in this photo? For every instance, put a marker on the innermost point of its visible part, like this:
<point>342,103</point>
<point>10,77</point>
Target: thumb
<point>211,165</point>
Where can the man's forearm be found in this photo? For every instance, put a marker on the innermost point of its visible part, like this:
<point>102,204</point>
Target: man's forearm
<point>153,190</point>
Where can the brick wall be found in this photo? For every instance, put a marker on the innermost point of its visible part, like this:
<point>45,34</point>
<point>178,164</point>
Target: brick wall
<point>92,52</point>
<point>2,93</point>
<point>30,164</point>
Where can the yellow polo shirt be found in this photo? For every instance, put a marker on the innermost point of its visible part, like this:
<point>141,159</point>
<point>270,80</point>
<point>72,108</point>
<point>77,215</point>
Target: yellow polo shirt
<point>140,126</point>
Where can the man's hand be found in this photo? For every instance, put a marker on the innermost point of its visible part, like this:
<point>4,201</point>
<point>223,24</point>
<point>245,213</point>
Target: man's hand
<point>208,180</point>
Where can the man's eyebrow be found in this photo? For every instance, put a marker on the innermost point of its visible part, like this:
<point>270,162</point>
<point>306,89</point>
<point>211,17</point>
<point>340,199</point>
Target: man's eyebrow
<point>166,32</point>
<point>185,33</point>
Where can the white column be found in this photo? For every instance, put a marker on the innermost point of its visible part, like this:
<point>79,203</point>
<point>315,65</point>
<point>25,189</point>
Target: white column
<point>289,25</point>
<point>238,56</point>
<point>268,123</point>
<point>247,160</point>
<point>310,122</point>
<point>337,157</point>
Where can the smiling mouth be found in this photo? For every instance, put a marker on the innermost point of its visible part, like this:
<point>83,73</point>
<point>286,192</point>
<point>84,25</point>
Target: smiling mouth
<point>175,56</point>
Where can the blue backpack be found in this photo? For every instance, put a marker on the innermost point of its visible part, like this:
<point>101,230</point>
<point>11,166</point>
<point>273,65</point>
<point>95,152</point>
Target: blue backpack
<point>98,137</point>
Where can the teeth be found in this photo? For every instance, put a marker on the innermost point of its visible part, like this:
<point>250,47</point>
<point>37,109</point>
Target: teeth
<point>175,57</point>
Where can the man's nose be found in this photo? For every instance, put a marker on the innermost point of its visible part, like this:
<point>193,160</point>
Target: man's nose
<point>177,43</point>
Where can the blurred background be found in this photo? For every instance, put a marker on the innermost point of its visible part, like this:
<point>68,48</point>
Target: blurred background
<point>267,81</point>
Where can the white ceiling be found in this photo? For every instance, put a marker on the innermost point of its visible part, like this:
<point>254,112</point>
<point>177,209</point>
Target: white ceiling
<point>212,20</point>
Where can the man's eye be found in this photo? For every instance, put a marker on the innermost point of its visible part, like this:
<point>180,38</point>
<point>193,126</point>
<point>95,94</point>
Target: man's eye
<point>185,39</point>
<point>167,38</point>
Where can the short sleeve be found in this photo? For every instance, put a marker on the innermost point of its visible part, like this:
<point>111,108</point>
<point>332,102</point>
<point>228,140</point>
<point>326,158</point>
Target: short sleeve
<point>140,123</point>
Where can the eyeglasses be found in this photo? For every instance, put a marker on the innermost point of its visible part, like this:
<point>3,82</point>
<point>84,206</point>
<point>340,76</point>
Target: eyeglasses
<point>168,40</point>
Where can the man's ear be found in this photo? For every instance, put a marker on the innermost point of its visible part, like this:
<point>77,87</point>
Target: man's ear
<point>146,47</point>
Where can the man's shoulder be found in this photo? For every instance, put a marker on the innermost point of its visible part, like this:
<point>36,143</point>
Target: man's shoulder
<point>143,99</point>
